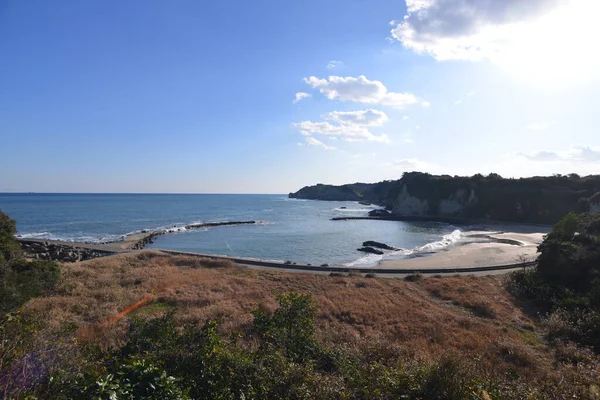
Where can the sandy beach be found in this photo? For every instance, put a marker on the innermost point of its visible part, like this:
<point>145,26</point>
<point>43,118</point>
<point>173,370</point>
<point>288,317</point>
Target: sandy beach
<point>509,248</point>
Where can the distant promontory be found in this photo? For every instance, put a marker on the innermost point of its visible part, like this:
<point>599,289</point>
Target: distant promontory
<point>541,200</point>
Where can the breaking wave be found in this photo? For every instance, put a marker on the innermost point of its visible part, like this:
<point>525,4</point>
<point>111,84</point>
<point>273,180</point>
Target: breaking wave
<point>371,260</point>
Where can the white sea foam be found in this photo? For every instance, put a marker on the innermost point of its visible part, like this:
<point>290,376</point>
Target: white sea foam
<point>69,238</point>
<point>289,199</point>
<point>33,235</point>
<point>371,260</point>
<point>362,210</point>
<point>176,229</point>
<point>447,240</point>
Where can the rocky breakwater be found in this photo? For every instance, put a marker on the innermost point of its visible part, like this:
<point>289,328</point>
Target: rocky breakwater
<point>145,239</point>
<point>71,251</point>
<point>52,250</point>
<point>141,240</point>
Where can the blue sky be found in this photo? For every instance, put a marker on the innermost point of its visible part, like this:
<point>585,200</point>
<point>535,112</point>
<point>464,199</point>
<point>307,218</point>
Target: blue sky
<point>269,96</point>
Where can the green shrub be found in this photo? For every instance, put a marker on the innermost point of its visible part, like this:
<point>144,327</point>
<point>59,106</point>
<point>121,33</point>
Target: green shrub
<point>290,328</point>
<point>130,379</point>
<point>21,280</point>
<point>566,281</point>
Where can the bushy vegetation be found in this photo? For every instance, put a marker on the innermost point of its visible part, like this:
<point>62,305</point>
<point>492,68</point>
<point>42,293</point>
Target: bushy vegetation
<point>20,280</point>
<point>566,281</point>
<point>277,357</point>
<point>540,199</point>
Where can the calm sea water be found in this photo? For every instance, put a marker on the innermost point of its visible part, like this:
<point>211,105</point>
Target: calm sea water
<point>295,230</point>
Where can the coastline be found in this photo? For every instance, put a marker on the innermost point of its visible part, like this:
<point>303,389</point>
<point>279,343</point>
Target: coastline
<point>504,252</point>
<point>478,245</point>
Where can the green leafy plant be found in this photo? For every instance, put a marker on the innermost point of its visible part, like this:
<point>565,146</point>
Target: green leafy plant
<point>291,327</point>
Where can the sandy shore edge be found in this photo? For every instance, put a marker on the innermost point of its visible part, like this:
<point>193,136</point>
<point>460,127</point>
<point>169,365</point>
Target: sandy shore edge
<point>504,248</point>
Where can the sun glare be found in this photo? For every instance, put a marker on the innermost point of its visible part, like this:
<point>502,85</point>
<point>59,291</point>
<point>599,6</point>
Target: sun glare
<point>559,49</point>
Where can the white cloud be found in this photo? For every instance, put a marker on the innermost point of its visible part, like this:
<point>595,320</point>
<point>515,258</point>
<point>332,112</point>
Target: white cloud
<point>364,117</point>
<point>465,29</point>
<point>539,39</point>
<point>540,126</point>
<point>470,94</point>
<point>315,142</point>
<point>407,138</point>
<point>301,96</point>
<point>351,126</point>
<point>361,90</point>
<point>347,132</point>
<point>458,102</point>
<point>405,117</point>
<point>334,64</point>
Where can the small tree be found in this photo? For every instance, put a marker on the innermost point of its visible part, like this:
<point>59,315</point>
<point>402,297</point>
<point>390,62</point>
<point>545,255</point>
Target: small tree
<point>291,327</point>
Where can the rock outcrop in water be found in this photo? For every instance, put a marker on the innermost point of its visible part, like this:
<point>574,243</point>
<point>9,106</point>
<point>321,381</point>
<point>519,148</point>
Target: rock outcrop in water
<point>379,245</point>
<point>543,200</point>
<point>379,213</point>
<point>370,250</point>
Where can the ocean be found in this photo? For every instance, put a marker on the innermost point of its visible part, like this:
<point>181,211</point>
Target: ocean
<point>289,230</point>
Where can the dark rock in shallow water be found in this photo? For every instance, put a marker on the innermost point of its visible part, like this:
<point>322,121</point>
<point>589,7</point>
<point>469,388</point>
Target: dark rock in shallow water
<point>370,250</point>
<point>379,213</point>
<point>372,243</point>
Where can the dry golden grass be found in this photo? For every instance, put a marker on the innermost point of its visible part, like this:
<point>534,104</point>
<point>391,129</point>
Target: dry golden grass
<point>419,320</point>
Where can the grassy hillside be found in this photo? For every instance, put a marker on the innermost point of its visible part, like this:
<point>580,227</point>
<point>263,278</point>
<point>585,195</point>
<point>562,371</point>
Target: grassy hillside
<point>216,330</point>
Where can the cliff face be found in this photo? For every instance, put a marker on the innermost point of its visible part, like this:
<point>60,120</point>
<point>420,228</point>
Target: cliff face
<point>541,200</point>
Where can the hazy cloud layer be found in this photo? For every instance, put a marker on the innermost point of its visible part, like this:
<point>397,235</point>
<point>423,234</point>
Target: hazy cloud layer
<point>581,154</point>
<point>540,126</point>
<point>315,142</point>
<point>413,164</point>
<point>364,117</point>
<point>333,64</point>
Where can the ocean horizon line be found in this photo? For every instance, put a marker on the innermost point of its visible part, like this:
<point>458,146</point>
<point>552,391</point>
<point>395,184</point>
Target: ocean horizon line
<point>148,193</point>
